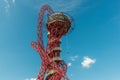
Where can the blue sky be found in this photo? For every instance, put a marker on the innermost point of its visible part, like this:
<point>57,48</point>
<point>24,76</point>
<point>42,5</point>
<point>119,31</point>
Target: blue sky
<point>91,51</point>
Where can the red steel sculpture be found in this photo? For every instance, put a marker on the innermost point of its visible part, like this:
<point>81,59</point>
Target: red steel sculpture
<point>58,24</point>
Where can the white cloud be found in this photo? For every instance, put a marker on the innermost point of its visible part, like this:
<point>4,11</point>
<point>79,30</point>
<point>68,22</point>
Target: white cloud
<point>62,5</point>
<point>68,6</point>
<point>69,64</point>
<point>7,5</point>
<point>87,62</point>
<point>71,75</point>
<point>13,1</point>
<point>30,79</point>
<point>73,58</point>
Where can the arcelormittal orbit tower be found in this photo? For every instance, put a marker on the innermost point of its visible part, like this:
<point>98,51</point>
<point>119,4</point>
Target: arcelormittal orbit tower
<point>57,24</point>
